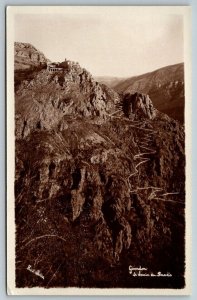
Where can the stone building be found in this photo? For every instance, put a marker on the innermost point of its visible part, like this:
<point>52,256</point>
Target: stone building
<point>52,68</point>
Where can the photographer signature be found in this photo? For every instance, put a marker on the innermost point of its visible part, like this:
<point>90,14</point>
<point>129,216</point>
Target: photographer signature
<point>143,272</point>
<point>36,272</point>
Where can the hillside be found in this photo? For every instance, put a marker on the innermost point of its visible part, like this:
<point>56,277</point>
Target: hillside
<point>99,179</point>
<point>164,86</point>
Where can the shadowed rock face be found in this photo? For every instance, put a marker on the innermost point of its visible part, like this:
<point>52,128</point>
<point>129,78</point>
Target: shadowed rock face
<point>99,185</point>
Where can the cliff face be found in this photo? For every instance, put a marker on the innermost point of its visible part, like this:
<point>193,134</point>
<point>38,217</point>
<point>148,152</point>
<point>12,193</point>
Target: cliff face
<point>99,181</point>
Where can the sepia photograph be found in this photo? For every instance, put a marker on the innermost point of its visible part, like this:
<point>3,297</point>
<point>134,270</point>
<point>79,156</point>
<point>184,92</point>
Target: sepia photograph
<point>98,160</point>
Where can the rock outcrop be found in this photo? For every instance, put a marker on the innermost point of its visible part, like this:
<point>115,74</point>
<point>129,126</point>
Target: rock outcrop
<point>138,106</point>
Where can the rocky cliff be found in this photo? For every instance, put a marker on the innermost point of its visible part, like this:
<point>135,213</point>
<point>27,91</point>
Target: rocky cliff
<point>45,100</point>
<point>99,185</point>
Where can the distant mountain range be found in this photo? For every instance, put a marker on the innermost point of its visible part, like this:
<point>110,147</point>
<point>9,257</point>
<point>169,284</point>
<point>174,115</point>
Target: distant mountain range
<point>110,81</point>
<point>165,87</point>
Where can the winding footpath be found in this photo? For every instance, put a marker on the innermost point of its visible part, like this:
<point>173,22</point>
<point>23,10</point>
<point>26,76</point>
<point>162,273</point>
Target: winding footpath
<point>143,157</point>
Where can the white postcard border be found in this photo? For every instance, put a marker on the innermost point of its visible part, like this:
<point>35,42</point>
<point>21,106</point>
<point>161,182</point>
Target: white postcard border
<point>185,11</point>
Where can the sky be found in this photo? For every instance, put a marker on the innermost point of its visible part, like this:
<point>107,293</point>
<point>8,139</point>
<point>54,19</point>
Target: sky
<point>119,45</point>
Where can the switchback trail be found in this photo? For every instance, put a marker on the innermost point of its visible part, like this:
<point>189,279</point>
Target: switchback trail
<point>143,157</point>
